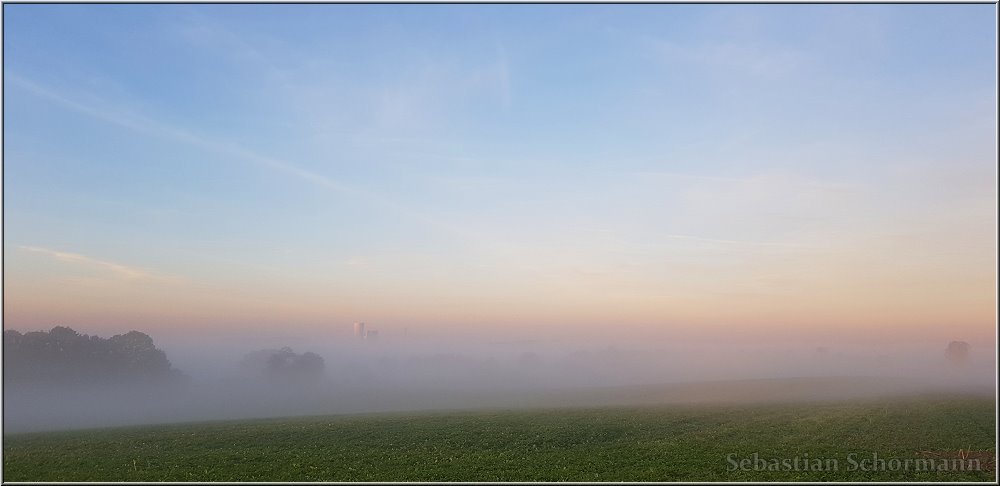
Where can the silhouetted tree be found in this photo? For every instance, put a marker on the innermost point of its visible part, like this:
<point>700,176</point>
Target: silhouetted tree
<point>64,356</point>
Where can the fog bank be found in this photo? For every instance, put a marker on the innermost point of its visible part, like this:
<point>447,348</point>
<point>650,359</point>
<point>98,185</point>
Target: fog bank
<point>399,374</point>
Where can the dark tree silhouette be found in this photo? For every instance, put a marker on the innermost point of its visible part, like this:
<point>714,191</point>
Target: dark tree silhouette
<point>64,356</point>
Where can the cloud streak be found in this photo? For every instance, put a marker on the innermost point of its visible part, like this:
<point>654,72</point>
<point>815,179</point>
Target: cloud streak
<point>763,61</point>
<point>123,271</point>
<point>141,123</point>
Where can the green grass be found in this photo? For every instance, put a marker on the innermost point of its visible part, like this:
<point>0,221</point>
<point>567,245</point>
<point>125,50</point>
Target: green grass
<point>651,443</point>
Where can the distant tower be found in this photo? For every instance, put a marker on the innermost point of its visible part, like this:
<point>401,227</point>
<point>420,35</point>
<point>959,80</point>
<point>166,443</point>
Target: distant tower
<point>359,329</point>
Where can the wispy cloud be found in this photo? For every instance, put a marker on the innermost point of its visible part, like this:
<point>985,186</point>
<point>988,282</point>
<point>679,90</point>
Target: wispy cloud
<point>497,76</point>
<point>208,34</point>
<point>403,114</point>
<point>432,91</point>
<point>117,269</point>
<point>746,58</point>
<point>141,123</point>
<point>132,120</point>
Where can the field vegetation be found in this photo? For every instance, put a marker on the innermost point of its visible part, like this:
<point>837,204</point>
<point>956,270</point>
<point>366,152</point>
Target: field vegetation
<point>678,442</point>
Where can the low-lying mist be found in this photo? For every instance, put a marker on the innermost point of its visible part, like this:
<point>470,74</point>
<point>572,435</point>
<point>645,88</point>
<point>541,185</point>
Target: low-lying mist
<point>247,378</point>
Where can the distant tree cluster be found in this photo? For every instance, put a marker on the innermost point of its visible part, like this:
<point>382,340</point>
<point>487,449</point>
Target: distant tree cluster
<point>957,352</point>
<point>64,356</point>
<point>283,364</point>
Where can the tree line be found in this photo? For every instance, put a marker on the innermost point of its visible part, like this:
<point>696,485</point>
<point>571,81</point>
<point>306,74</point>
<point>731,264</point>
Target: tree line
<point>62,356</point>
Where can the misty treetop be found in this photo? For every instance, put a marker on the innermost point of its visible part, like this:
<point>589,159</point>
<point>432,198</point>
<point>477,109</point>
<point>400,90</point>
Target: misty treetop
<point>63,356</point>
<point>283,364</point>
<point>957,352</point>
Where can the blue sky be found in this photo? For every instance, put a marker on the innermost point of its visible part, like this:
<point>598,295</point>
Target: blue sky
<point>451,163</point>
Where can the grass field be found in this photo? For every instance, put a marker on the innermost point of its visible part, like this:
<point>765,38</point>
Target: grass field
<point>647,443</point>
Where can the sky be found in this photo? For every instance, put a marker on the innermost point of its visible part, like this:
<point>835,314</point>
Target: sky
<point>730,172</point>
